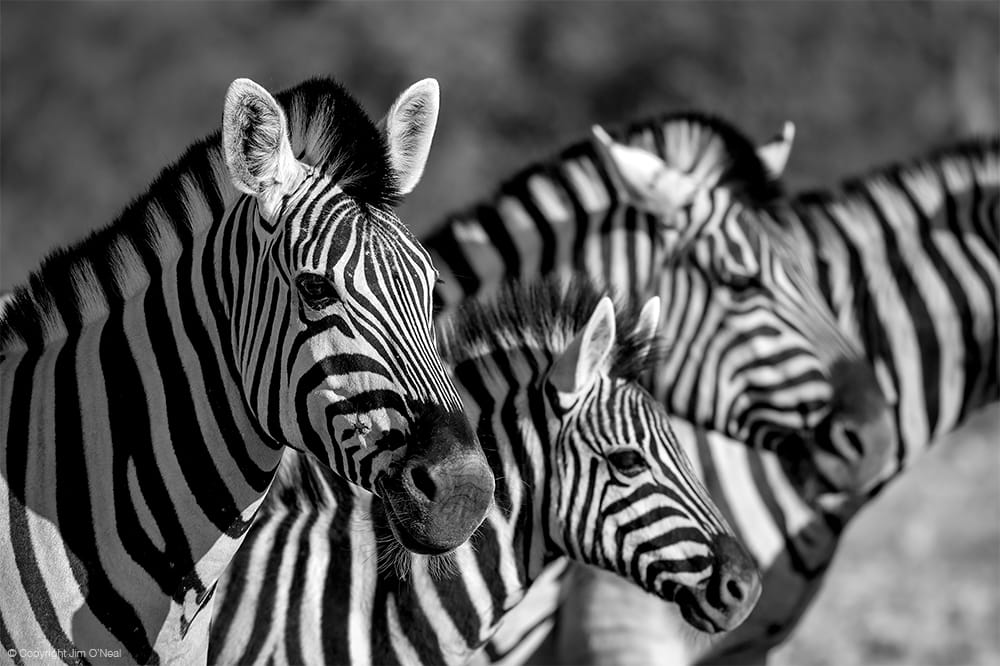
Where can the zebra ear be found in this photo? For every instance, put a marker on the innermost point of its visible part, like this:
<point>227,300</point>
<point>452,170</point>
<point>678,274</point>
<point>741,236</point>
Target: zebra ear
<point>588,354</point>
<point>255,143</point>
<point>648,181</point>
<point>649,320</point>
<point>774,154</point>
<point>409,128</point>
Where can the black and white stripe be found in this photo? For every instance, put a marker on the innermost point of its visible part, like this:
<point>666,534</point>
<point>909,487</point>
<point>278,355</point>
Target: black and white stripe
<point>586,466</point>
<point>151,376</point>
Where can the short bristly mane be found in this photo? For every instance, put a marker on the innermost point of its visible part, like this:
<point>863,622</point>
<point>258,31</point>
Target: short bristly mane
<point>543,314</point>
<point>328,129</point>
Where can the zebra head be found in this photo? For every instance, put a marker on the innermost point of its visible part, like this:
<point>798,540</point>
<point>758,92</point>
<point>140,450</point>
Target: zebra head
<point>627,498</point>
<point>830,400</point>
<point>330,310</point>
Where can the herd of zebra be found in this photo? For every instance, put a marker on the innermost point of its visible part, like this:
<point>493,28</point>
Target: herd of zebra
<point>627,402</point>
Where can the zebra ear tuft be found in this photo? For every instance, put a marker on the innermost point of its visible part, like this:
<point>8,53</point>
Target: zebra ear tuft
<point>256,146</point>
<point>649,320</point>
<point>774,154</point>
<point>409,128</point>
<point>646,180</point>
<point>586,358</point>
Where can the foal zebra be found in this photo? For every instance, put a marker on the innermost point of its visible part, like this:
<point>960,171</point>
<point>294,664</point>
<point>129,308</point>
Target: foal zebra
<point>586,466</point>
<point>908,258</point>
<point>755,355</point>
<point>151,376</point>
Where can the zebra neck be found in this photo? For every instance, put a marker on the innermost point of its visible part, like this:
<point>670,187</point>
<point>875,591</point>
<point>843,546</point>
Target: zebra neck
<point>503,397</point>
<point>123,425</point>
<point>904,264</point>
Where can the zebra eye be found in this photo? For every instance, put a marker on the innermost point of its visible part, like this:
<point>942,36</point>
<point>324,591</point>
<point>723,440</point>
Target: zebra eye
<point>316,290</point>
<point>628,461</point>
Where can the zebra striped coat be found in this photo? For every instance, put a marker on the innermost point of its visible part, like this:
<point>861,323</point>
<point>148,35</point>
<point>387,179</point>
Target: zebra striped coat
<point>907,258</point>
<point>586,466</point>
<point>151,376</point>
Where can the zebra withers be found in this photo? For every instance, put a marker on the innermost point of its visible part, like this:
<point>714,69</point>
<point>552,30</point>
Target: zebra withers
<point>586,466</point>
<point>152,376</point>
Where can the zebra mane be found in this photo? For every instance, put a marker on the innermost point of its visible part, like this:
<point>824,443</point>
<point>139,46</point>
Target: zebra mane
<point>981,153</point>
<point>546,314</point>
<point>329,130</point>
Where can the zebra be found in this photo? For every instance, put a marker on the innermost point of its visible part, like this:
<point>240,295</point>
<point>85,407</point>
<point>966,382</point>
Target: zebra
<point>586,466</point>
<point>909,256</point>
<point>732,328</point>
<point>939,215</point>
<point>152,376</point>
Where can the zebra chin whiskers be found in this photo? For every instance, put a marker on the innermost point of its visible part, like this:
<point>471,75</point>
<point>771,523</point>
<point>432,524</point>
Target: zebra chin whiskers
<point>394,559</point>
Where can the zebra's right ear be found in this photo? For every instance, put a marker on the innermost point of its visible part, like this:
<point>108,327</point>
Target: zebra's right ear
<point>588,355</point>
<point>255,143</point>
<point>774,154</point>
<point>647,181</point>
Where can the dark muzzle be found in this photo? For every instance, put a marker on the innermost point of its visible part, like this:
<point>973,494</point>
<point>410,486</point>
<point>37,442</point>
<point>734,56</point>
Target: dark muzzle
<point>438,495</point>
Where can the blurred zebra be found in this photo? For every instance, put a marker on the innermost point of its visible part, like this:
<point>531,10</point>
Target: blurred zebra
<point>755,355</point>
<point>586,466</point>
<point>908,256</point>
<point>152,375</point>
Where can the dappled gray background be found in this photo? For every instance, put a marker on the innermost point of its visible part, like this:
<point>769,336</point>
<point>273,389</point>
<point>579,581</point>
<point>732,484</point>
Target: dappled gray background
<point>96,98</point>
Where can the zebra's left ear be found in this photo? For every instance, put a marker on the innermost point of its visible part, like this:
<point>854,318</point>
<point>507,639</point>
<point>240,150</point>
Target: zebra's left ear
<point>587,356</point>
<point>774,154</point>
<point>647,181</point>
<point>409,128</point>
<point>649,320</point>
<point>255,143</point>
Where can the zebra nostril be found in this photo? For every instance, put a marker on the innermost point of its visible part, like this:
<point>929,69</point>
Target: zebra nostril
<point>423,482</point>
<point>735,590</point>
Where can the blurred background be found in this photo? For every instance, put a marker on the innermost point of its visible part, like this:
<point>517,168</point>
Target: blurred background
<point>95,98</point>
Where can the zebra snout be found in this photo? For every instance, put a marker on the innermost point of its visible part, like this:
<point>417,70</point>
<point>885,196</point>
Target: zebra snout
<point>854,444</point>
<point>725,600</point>
<point>442,488</point>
